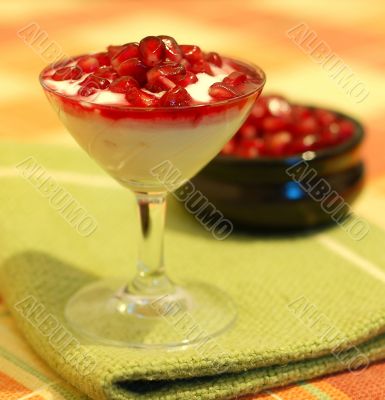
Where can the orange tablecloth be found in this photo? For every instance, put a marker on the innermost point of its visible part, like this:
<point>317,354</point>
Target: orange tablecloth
<point>353,31</point>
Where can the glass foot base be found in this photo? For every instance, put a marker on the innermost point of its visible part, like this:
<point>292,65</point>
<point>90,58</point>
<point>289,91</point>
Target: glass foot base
<point>105,312</point>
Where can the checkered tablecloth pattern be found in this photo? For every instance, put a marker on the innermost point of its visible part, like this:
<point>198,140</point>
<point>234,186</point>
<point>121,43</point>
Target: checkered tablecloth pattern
<point>354,32</point>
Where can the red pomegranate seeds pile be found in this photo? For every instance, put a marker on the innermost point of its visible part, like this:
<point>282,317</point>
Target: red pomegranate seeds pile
<point>156,64</point>
<point>276,128</point>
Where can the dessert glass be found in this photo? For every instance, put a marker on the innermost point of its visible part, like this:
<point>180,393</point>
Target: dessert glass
<point>150,151</point>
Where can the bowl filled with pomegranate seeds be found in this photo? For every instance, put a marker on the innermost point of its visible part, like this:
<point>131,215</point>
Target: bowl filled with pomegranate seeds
<point>289,166</point>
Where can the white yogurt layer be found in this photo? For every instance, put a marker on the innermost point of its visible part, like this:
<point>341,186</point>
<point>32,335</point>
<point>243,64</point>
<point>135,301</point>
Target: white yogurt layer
<point>130,149</point>
<point>199,91</point>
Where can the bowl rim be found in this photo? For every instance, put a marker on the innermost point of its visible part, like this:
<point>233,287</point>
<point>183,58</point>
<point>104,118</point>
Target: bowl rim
<point>309,156</point>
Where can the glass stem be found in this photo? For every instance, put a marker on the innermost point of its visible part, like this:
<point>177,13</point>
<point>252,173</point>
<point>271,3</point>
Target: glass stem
<point>151,278</point>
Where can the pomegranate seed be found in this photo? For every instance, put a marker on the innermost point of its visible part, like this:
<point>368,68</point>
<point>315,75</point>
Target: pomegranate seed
<point>324,117</point>
<point>300,112</point>
<point>192,53</point>
<point>229,148</point>
<point>278,105</point>
<point>86,91</point>
<point>137,97</point>
<point>103,58</point>
<point>185,63</point>
<point>152,50</point>
<point>160,86</point>
<point>172,50</point>
<point>214,58</point>
<point>135,68</point>
<point>247,153</point>
<point>329,137</point>
<point>164,76</point>
<point>249,148</point>
<point>255,143</point>
<point>249,121</point>
<point>302,144</point>
<point>106,72</point>
<point>176,97</point>
<point>129,50</point>
<point>201,66</point>
<point>247,131</point>
<point>96,82</point>
<point>114,50</point>
<point>274,124</point>
<point>306,126</point>
<point>189,79</point>
<point>235,78</point>
<point>66,73</point>
<point>346,129</point>
<point>341,130</point>
<point>172,71</point>
<point>122,84</point>
<point>260,109</point>
<point>276,143</point>
<point>310,141</point>
<point>222,91</point>
<point>88,63</point>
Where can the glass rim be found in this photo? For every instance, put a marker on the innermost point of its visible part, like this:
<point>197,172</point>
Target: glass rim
<point>90,104</point>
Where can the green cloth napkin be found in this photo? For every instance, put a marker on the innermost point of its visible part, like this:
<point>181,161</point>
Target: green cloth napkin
<point>307,305</point>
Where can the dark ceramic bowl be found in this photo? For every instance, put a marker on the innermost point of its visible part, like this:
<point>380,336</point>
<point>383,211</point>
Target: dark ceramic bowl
<point>281,193</point>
